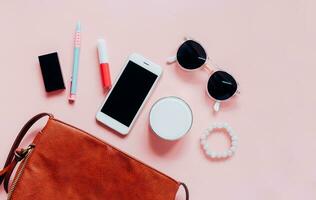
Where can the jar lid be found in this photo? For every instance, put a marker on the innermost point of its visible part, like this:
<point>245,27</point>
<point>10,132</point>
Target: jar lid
<point>170,118</point>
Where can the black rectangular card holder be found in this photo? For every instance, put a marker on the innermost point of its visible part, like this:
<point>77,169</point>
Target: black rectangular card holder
<point>51,72</point>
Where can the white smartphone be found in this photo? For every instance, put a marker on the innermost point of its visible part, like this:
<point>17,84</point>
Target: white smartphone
<point>129,93</point>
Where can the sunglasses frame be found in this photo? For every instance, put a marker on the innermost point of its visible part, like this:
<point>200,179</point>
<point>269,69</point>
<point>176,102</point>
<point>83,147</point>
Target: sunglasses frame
<point>206,66</point>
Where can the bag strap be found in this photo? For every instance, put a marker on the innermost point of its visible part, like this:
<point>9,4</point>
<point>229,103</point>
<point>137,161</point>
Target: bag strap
<point>186,189</point>
<point>16,155</point>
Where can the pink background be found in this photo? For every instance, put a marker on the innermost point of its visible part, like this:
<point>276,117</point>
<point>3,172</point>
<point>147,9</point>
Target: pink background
<point>269,46</point>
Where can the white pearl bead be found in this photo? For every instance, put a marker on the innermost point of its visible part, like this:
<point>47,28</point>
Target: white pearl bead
<point>233,149</point>
<point>219,155</point>
<point>213,155</point>
<point>225,154</point>
<point>203,142</point>
<point>234,138</point>
<point>205,147</point>
<point>231,133</point>
<point>234,143</point>
<point>229,153</point>
<point>203,137</point>
<point>230,130</point>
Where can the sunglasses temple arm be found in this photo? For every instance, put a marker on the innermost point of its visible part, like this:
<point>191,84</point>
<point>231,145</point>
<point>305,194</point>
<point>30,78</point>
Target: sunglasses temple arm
<point>217,106</point>
<point>171,59</point>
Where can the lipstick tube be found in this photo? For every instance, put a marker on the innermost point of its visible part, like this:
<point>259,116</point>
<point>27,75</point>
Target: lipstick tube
<point>104,64</point>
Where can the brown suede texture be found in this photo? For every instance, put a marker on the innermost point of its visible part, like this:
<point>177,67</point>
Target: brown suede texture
<point>67,163</point>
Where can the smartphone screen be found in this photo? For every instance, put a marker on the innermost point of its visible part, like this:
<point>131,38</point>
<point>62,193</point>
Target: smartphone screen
<point>129,93</point>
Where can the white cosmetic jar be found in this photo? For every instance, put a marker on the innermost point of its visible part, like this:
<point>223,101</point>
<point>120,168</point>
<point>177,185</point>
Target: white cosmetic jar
<point>170,118</point>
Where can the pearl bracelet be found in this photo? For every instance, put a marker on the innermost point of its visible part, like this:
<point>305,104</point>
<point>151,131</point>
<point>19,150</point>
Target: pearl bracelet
<point>224,154</point>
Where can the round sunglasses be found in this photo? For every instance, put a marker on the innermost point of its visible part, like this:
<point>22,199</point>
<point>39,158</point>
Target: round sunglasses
<point>221,86</point>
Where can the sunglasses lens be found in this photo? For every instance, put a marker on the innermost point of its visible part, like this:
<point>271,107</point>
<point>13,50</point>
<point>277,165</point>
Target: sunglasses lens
<point>221,85</point>
<point>191,55</point>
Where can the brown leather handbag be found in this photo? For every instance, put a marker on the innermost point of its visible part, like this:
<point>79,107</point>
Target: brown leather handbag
<point>64,162</point>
